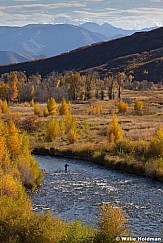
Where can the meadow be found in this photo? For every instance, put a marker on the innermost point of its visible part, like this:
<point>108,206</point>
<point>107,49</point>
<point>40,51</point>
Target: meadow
<point>139,150</point>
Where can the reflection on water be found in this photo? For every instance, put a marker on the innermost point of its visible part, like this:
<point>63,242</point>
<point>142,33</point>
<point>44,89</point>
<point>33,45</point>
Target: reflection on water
<point>78,194</point>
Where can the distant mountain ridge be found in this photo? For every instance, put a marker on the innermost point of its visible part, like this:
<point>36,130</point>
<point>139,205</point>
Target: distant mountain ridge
<point>12,57</point>
<point>136,53</point>
<point>46,39</point>
<point>110,31</point>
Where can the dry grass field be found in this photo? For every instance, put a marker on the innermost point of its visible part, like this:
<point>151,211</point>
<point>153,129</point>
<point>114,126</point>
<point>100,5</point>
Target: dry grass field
<point>134,126</point>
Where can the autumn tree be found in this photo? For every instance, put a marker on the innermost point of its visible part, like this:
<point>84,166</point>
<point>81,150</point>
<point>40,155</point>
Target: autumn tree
<point>120,80</point>
<point>13,86</point>
<point>112,222</point>
<point>114,130</point>
<point>52,106</point>
<point>4,106</point>
<point>64,108</point>
<point>4,89</point>
<point>109,83</point>
<point>89,87</point>
<point>13,140</point>
<point>73,82</point>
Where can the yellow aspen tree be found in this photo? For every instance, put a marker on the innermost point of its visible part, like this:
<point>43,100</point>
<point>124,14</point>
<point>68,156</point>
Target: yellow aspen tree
<point>112,221</point>
<point>64,108</point>
<point>13,89</point>
<point>13,140</point>
<point>4,106</point>
<point>52,106</point>
<point>4,88</point>
<point>115,130</point>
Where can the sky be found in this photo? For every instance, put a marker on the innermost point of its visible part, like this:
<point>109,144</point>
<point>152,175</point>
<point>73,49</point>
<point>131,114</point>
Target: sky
<point>127,14</point>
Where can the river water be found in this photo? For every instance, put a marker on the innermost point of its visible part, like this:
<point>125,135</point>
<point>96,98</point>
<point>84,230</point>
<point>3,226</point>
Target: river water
<point>78,193</point>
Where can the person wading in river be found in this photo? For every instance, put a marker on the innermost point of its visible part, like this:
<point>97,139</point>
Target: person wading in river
<point>66,167</point>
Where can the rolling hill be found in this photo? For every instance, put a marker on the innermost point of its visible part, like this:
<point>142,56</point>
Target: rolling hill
<point>138,52</point>
<point>13,57</point>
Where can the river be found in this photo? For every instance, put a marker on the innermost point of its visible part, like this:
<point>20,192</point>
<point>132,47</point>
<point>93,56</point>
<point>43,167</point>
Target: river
<point>78,193</point>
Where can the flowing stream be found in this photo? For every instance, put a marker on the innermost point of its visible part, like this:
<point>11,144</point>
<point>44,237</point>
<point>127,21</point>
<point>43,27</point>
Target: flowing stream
<point>78,193</point>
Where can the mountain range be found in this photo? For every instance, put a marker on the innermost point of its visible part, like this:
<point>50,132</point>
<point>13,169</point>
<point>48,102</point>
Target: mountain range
<point>43,40</point>
<point>110,31</point>
<point>46,39</point>
<point>136,53</point>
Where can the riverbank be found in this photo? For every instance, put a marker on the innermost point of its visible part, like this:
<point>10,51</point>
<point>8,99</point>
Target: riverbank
<point>123,163</point>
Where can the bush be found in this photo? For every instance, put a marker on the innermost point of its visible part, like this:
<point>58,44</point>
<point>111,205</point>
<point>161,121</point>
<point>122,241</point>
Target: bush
<point>156,144</point>
<point>112,221</point>
<point>72,136</point>
<point>37,109</point>
<point>122,107</point>
<point>138,106</point>
<point>52,130</point>
<point>32,103</point>
<point>46,112</point>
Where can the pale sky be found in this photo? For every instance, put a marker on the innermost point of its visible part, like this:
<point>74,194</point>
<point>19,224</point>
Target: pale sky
<point>128,14</point>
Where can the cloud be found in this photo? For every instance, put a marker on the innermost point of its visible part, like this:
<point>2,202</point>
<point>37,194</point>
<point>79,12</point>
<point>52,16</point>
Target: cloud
<point>121,13</point>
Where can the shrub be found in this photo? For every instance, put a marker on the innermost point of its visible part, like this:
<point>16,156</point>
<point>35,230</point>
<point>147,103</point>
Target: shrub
<point>46,112</point>
<point>72,136</point>
<point>94,110</point>
<point>112,221</point>
<point>122,107</point>
<point>37,109</point>
<point>52,130</point>
<point>32,103</point>
<point>138,106</point>
<point>156,144</point>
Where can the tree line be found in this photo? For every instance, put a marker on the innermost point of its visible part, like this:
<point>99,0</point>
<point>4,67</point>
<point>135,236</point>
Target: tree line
<point>17,87</point>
